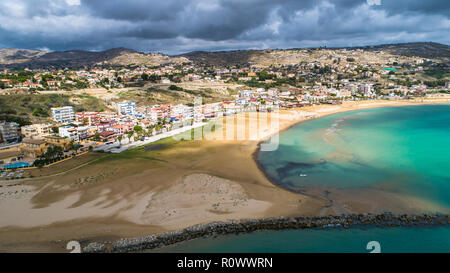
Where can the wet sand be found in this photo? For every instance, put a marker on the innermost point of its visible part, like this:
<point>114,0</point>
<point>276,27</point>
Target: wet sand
<point>181,183</point>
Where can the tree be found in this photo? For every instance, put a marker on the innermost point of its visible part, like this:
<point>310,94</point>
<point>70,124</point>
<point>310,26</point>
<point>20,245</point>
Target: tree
<point>138,129</point>
<point>96,136</point>
<point>129,135</point>
<point>52,152</point>
<point>150,130</point>
<point>71,146</point>
<point>176,88</point>
<point>120,139</point>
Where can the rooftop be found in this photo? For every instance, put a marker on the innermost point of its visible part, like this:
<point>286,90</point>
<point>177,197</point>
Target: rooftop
<point>34,141</point>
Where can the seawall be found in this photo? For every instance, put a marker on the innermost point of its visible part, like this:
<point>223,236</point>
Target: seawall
<point>249,225</point>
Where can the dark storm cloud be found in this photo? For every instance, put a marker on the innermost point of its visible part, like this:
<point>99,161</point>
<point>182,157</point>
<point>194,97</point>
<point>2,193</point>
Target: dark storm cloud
<point>422,7</point>
<point>177,26</point>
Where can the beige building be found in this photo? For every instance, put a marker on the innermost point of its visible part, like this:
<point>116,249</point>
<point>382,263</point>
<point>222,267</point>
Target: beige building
<point>10,156</point>
<point>33,148</point>
<point>58,141</point>
<point>36,130</point>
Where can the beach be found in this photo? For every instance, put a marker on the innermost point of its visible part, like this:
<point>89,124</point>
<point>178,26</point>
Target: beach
<point>180,184</point>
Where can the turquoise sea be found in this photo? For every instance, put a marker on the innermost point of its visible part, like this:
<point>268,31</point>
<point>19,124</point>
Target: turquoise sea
<point>399,149</point>
<point>353,240</point>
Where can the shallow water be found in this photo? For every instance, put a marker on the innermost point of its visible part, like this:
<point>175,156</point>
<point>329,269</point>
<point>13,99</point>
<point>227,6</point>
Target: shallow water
<point>398,149</point>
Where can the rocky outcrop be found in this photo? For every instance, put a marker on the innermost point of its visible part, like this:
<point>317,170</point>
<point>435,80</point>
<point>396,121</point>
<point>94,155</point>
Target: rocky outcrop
<point>249,225</point>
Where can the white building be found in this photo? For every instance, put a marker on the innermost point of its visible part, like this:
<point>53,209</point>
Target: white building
<point>246,93</point>
<point>68,132</point>
<point>82,132</point>
<point>74,133</point>
<point>366,89</point>
<point>126,108</point>
<point>63,114</point>
<point>272,92</point>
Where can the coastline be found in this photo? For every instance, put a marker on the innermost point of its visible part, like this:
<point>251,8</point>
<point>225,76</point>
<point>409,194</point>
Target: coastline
<point>316,193</point>
<point>98,203</point>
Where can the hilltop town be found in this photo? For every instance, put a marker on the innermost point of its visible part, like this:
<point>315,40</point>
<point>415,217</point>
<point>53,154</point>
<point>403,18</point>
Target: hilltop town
<point>49,114</point>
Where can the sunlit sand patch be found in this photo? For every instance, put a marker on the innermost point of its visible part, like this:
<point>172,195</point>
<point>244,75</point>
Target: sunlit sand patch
<point>200,198</point>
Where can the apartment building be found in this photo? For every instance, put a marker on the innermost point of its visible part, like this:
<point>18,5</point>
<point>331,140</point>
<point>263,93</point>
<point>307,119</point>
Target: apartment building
<point>68,132</point>
<point>126,108</point>
<point>10,131</point>
<point>366,89</point>
<point>36,130</point>
<point>88,118</point>
<point>63,114</point>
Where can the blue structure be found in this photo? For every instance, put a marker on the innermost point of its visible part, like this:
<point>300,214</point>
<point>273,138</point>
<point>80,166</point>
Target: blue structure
<point>16,165</point>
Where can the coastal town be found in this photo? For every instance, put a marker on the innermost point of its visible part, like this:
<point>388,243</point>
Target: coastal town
<point>246,128</point>
<point>333,77</point>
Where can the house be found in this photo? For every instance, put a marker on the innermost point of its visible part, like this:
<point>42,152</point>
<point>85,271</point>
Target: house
<point>272,92</point>
<point>108,135</point>
<point>246,93</point>
<point>52,84</point>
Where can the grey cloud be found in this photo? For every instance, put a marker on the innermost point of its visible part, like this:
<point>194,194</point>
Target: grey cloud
<point>175,26</point>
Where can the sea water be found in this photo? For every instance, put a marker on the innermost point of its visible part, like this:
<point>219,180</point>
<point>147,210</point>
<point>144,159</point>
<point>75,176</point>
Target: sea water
<point>352,240</point>
<point>398,149</point>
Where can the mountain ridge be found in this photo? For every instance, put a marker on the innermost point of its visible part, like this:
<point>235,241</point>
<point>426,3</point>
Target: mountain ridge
<point>34,59</point>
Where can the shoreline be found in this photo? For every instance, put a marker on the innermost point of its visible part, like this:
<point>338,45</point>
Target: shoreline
<point>372,105</point>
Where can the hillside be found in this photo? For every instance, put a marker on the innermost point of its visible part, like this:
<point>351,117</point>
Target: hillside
<point>222,58</point>
<point>25,108</point>
<point>296,55</point>
<point>12,55</point>
<point>424,50</point>
<point>81,58</point>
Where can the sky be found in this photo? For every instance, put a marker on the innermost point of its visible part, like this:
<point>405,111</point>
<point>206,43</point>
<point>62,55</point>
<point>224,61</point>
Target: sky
<point>179,26</point>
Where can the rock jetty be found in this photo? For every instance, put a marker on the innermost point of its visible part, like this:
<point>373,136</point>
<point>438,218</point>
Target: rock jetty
<point>249,225</point>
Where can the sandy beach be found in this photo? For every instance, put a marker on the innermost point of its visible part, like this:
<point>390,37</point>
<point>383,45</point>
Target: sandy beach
<point>182,183</point>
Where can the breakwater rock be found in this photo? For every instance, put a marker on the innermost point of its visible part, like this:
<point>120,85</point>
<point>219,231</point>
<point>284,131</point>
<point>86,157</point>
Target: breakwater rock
<point>249,225</point>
